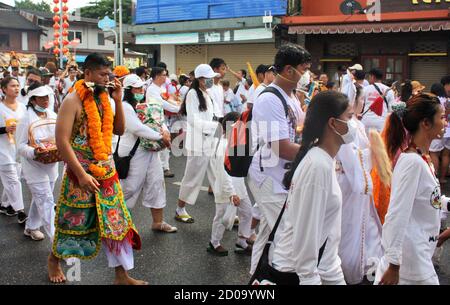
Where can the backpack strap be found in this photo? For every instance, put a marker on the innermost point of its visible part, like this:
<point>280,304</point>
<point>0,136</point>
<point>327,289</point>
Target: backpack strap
<point>280,96</point>
<point>382,95</point>
<point>133,150</point>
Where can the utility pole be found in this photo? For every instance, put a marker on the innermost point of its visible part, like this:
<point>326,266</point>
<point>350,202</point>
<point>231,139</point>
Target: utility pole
<point>61,45</point>
<point>120,33</point>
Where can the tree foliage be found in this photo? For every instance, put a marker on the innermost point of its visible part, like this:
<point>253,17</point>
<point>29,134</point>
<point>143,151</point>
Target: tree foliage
<point>30,5</point>
<point>101,8</point>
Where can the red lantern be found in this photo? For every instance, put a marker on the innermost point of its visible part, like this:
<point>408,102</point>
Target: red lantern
<point>65,8</point>
<point>65,17</point>
<point>56,19</point>
<point>65,50</point>
<point>55,43</point>
<point>65,1</point>
<point>55,1</point>
<point>56,26</point>
<point>56,51</point>
<point>65,42</point>
<point>56,9</point>
<point>65,33</point>
<point>65,25</point>
<point>56,35</point>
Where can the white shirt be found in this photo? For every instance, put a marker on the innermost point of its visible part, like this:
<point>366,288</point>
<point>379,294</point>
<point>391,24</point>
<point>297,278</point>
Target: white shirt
<point>412,224</point>
<point>153,91</point>
<point>68,84</point>
<point>371,119</point>
<point>242,90</point>
<point>217,95</point>
<point>200,125</point>
<point>34,171</point>
<point>183,91</point>
<point>134,128</point>
<point>312,216</point>
<point>8,150</point>
<point>271,125</point>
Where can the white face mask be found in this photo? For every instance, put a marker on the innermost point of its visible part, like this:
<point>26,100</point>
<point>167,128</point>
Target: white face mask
<point>304,81</point>
<point>350,136</point>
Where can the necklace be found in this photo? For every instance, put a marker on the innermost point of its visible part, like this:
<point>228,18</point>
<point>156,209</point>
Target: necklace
<point>425,157</point>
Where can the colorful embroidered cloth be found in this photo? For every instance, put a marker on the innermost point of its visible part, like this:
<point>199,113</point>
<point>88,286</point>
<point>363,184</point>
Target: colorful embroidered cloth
<point>151,114</point>
<point>83,219</point>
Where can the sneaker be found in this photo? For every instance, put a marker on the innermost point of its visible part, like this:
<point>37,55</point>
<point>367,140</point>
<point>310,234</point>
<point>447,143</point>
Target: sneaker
<point>168,174</point>
<point>219,251</point>
<point>10,211</point>
<point>34,234</point>
<point>22,217</point>
<point>244,251</point>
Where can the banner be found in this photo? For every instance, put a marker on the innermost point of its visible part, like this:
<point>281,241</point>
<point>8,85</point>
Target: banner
<point>25,60</point>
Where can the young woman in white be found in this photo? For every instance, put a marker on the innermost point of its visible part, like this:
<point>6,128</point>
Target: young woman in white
<point>145,173</point>
<point>312,219</point>
<point>229,190</point>
<point>40,177</point>
<point>411,228</point>
<point>11,114</point>
<point>360,246</point>
<point>200,140</point>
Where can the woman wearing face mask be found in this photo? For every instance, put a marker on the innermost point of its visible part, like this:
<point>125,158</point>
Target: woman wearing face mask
<point>200,140</point>
<point>40,177</point>
<point>360,244</point>
<point>411,229</point>
<point>311,223</point>
<point>145,173</point>
<point>11,114</point>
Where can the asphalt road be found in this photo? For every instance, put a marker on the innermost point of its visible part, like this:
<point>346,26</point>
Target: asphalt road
<point>170,259</point>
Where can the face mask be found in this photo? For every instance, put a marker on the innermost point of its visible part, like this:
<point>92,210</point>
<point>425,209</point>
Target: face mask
<point>209,82</point>
<point>40,109</point>
<point>350,136</point>
<point>304,81</point>
<point>139,96</point>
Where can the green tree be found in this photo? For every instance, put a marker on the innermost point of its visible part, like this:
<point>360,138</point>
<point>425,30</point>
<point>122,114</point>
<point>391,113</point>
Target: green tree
<point>29,5</point>
<point>101,8</point>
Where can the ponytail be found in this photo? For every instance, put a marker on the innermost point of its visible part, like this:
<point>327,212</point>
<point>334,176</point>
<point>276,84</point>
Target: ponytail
<point>394,134</point>
<point>325,105</point>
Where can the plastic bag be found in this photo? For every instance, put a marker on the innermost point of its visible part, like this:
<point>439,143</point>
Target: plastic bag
<point>229,216</point>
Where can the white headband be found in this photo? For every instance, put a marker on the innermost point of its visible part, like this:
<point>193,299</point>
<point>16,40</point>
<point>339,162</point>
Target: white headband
<point>40,91</point>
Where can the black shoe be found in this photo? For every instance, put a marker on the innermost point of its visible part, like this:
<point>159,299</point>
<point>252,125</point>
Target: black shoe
<point>10,211</point>
<point>168,174</point>
<point>219,251</point>
<point>22,217</point>
<point>244,251</point>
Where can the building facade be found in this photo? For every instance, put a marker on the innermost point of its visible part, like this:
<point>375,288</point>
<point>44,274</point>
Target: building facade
<point>407,39</point>
<point>189,32</point>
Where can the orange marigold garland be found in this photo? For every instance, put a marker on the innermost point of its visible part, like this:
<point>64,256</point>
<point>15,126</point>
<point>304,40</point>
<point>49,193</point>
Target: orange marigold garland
<point>99,130</point>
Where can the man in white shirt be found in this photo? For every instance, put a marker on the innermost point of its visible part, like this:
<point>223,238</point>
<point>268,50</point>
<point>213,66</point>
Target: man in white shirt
<point>371,93</point>
<point>359,78</point>
<point>155,91</point>
<point>349,77</point>
<point>276,132</point>
<point>70,80</point>
<point>216,91</point>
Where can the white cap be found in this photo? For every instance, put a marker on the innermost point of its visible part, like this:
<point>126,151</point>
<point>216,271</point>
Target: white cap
<point>356,67</point>
<point>205,71</point>
<point>132,80</point>
<point>173,77</point>
<point>40,92</point>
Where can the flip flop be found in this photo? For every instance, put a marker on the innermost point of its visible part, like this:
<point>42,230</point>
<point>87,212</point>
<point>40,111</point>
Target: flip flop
<point>184,218</point>
<point>165,228</point>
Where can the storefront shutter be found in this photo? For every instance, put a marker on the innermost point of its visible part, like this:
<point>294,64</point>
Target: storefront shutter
<point>429,70</point>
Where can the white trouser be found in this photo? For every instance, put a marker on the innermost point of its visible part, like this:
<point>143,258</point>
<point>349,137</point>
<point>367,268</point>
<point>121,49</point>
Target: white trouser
<point>124,258</point>
<point>42,209</point>
<point>12,187</point>
<point>270,205</point>
<point>194,174</point>
<point>145,175</point>
<point>245,220</point>
<point>165,157</point>
<point>434,280</point>
<point>256,212</point>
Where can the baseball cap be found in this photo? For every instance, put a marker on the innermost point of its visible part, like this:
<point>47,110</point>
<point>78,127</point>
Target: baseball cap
<point>45,72</point>
<point>132,80</point>
<point>205,71</point>
<point>356,67</point>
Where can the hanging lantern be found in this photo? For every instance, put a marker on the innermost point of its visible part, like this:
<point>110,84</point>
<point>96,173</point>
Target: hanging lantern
<point>56,34</point>
<point>65,8</point>
<point>65,25</point>
<point>56,18</point>
<point>65,17</point>
<point>56,43</point>
<point>56,9</point>
<point>65,42</point>
<point>65,50</point>
<point>65,33</point>
<point>65,1</point>
<point>56,51</point>
<point>55,1</point>
<point>56,26</point>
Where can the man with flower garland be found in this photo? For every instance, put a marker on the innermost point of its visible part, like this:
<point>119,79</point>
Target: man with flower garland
<point>91,211</point>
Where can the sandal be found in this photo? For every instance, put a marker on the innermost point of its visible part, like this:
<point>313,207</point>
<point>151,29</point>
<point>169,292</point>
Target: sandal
<point>184,218</point>
<point>165,228</point>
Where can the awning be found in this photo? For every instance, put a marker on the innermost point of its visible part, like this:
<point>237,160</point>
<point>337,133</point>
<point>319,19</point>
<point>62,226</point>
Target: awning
<point>367,28</point>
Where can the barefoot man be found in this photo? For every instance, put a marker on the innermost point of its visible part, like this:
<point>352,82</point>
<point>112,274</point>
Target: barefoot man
<point>91,211</point>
